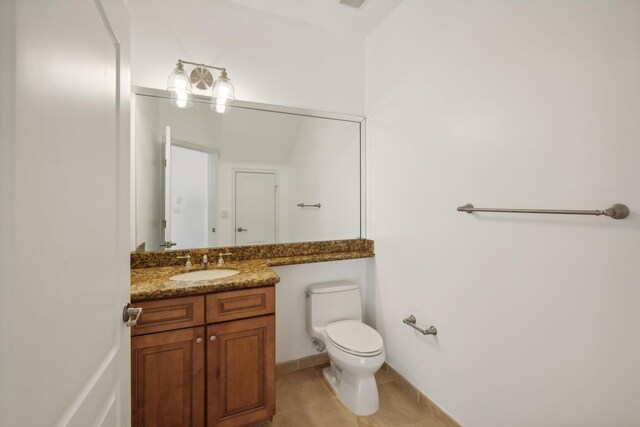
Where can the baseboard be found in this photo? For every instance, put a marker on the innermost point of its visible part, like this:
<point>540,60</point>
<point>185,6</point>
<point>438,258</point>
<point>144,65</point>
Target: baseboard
<point>421,398</point>
<point>305,362</point>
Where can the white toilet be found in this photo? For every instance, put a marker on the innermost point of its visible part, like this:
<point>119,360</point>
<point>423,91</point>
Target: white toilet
<point>356,351</point>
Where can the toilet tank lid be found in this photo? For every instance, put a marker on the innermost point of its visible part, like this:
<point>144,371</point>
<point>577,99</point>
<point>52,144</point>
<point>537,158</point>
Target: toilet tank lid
<point>336,286</point>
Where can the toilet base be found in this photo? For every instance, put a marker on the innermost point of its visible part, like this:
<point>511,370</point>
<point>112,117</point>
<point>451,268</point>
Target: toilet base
<point>359,394</point>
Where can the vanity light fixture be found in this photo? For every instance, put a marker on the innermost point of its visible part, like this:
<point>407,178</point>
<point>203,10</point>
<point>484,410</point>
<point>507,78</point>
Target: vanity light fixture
<point>222,92</point>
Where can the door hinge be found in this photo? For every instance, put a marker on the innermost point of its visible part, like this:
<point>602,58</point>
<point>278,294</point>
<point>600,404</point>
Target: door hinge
<point>164,223</point>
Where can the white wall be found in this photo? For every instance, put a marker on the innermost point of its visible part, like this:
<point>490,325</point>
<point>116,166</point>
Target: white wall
<point>325,168</point>
<point>515,104</point>
<point>270,59</point>
<point>292,340</point>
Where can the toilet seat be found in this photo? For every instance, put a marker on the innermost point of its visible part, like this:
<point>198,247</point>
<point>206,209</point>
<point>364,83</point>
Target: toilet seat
<point>354,337</point>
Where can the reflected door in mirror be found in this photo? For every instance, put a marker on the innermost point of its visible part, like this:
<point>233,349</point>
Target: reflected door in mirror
<point>189,199</point>
<point>255,196</point>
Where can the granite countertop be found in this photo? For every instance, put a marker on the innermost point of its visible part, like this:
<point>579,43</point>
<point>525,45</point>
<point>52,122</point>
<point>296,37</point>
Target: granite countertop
<point>153,283</point>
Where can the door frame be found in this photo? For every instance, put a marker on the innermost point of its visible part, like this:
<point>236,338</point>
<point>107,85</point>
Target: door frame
<point>276,196</point>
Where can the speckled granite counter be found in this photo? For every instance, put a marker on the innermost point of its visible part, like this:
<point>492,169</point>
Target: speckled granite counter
<point>240,253</point>
<point>153,283</point>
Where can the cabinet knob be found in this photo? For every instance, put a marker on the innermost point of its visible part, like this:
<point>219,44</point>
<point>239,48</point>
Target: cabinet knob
<point>212,338</point>
<point>199,340</point>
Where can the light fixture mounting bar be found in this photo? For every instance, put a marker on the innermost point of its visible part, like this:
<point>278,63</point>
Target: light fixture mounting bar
<point>202,65</point>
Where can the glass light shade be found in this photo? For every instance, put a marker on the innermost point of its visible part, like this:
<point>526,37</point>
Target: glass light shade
<point>222,94</point>
<point>178,81</point>
<point>179,85</point>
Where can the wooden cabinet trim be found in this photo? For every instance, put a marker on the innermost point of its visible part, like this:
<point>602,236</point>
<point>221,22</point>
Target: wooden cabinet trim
<point>240,304</point>
<point>169,314</point>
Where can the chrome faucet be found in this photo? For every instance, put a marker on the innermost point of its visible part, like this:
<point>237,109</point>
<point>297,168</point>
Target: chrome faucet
<point>221,258</point>
<point>205,261</point>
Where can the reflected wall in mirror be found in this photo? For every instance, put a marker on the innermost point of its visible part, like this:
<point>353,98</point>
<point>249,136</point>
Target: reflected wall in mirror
<point>256,175</point>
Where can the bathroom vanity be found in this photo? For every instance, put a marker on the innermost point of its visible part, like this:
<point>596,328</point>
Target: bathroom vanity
<point>203,352</point>
<point>214,351</point>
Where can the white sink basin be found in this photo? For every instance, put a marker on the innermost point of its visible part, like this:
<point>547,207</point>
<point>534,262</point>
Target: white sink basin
<point>194,276</point>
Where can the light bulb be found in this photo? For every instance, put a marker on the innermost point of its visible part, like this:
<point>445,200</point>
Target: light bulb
<point>180,85</point>
<point>223,92</point>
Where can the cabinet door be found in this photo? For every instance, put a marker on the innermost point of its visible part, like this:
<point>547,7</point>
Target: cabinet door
<point>241,372</point>
<point>168,379</point>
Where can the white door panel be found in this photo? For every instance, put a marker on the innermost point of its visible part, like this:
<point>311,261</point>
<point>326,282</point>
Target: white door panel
<point>189,198</point>
<point>255,208</point>
<point>66,356</point>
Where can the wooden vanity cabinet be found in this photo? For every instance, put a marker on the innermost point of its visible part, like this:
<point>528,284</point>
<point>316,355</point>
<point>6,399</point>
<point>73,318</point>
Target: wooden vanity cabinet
<point>168,378</point>
<point>168,363</point>
<point>187,374</point>
<point>241,372</point>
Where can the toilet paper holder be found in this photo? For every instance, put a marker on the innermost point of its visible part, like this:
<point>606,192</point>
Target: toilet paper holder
<point>411,321</point>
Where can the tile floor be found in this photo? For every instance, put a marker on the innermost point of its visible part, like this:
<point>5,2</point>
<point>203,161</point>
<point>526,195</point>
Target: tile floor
<point>304,399</point>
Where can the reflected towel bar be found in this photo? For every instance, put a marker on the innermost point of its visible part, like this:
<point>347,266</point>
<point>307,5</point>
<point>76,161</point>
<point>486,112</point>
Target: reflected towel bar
<point>302,205</point>
<point>617,211</point>
<point>411,321</point>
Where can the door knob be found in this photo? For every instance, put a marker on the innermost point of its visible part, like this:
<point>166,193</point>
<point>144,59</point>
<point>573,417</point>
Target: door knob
<point>212,338</point>
<point>131,315</point>
<point>240,229</point>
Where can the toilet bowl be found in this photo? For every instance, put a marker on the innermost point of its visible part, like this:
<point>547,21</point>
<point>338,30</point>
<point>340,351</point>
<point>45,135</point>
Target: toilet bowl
<point>356,351</point>
<point>354,362</point>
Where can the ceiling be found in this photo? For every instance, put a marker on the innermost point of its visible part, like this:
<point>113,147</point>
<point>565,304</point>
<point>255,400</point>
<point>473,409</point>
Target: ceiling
<point>328,14</point>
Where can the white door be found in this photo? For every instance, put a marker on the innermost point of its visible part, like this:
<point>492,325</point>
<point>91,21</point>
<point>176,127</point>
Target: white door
<point>64,213</point>
<point>189,198</point>
<point>255,208</point>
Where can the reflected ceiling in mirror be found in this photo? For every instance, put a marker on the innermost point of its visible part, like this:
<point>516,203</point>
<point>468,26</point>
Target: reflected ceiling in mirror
<point>259,174</point>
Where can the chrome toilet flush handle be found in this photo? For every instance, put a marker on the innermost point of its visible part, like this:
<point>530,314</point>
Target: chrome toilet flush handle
<point>411,321</point>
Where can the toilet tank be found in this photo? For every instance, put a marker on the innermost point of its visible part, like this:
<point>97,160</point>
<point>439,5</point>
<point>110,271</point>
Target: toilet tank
<point>332,301</point>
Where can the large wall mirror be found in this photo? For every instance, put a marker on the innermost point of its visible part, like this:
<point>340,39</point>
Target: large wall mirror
<point>258,174</point>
